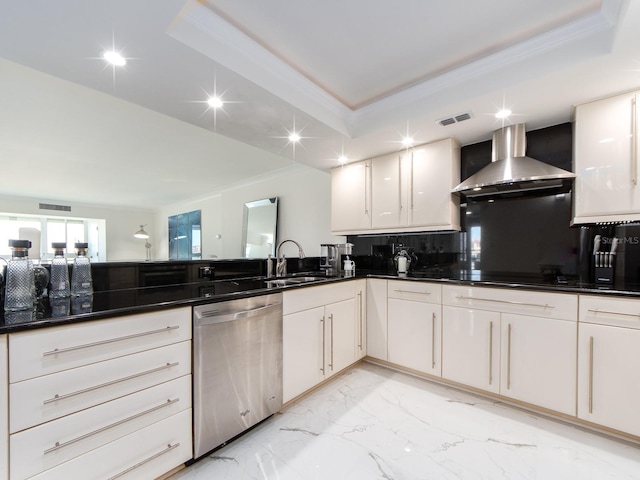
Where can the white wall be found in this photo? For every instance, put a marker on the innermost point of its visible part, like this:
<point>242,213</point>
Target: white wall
<point>303,214</point>
<point>121,223</point>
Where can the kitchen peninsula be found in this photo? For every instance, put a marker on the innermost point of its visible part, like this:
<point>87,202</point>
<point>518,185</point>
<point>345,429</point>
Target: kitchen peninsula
<point>378,320</point>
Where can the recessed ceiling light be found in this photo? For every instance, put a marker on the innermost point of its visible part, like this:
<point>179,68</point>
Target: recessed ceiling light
<point>114,58</point>
<point>294,137</point>
<point>407,141</point>
<point>504,113</point>
<point>342,159</point>
<point>215,102</point>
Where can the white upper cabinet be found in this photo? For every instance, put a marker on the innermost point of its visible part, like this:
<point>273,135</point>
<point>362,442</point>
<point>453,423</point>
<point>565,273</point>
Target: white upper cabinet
<point>389,184</point>
<point>606,160</point>
<point>435,170</point>
<point>406,191</point>
<point>351,198</point>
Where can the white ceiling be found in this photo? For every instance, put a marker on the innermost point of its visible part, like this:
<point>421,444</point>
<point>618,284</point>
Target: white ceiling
<point>353,77</point>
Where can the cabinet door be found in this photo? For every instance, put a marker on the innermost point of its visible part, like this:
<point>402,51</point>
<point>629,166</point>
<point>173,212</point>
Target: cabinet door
<point>605,160</point>
<point>361,319</point>
<point>471,347</point>
<point>538,361</point>
<point>414,335</point>
<point>389,195</point>
<point>340,336</point>
<point>302,351</point>
<point>377,318</point>
<point>435,170</point>
<point>608,366</point>
<point>351,198</point>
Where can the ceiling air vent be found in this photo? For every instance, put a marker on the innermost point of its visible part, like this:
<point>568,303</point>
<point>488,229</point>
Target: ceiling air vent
<point>461,117</point>
<point>60,208</point>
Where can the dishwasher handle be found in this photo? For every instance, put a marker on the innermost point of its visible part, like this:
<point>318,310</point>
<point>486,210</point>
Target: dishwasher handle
<point>211,317</point>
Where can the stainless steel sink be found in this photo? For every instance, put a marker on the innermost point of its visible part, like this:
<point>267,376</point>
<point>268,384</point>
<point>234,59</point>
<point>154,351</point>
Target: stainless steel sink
<point>283,282</point>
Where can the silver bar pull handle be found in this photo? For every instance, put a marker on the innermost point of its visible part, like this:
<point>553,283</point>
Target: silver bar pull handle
<point>366,189</point>
<point>411,186</point>
<point>596,311</point>
<point>360,319</point>
<point>634,140</point>
<point>590,374</point>
<point>214,316</point>
<point>433,341</point>
<point>145,461</point>
<point>324,346</point>
<point>411,291</point>
<point>508,302</point>
<point>331,358</point>
<point>107,384</point>
<point>59,445</point>
<point>490,353</point>
<point>56,351</point>
<point>508,356</point>
<point>400,183</point>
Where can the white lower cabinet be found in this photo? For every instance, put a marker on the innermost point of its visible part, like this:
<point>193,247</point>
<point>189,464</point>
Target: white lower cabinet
<point>111,399</point>
<point>320,335</point>
<point>609,362</point>
<point>361,319</point>
<point>538,363</point>
<point>516,343</point>
<point>414,325</point>
<point>339,336</point>
<point>377,318</point>
<point>471,347</point>
<point>302,354</point>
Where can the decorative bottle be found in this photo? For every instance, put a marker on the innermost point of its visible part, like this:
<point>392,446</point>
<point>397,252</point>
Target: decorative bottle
<point>81,281</point>
<point>20,291</point>
<point>59,283</point>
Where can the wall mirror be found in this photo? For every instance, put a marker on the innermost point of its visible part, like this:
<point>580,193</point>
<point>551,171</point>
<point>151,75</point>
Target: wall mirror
<point>259,228</point>
<point>185,236</point>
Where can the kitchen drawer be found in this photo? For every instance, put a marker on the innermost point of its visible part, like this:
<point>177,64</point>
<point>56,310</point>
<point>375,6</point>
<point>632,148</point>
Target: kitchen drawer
<point>48,445</point>
<point>145,454</point>
<point>414,291</point>
<point>562,306</point>
<point>318,296</point>
<point>604,310</point>
<point>50,350</point>
<point>46,398</point>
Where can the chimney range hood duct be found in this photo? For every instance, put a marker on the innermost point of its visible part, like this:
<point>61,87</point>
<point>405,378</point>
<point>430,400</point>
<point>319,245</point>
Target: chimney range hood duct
<point>511,172</point>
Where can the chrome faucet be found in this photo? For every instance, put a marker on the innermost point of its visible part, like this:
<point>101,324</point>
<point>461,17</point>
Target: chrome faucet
<point>281,265</point>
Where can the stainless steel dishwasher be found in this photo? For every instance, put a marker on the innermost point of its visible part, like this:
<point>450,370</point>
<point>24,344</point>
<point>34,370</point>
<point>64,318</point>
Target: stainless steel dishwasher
<point>237,367</point>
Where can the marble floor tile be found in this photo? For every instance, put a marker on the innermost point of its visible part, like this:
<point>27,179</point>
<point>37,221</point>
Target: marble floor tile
<point>376,423</point>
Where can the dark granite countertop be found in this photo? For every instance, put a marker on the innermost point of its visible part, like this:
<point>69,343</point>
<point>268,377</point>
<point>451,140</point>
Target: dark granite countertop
<point>112,303</point>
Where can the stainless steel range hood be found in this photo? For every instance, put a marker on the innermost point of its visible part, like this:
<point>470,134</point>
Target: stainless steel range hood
<point>511,172</point>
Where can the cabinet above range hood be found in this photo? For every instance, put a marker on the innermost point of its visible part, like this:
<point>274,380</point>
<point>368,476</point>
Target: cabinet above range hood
<point>512,172</point>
